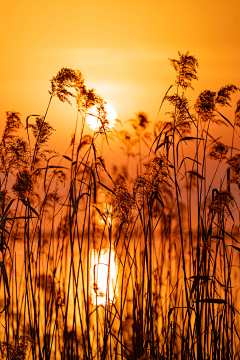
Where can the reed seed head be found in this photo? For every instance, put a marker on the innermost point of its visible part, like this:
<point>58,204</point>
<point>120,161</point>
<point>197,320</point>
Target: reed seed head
<point>222,203</point>
<point>25,183</point>
<point>122,203</point>
<point>234,164</point>
<point>152,181</point>
<point>186,68</point>
<point>218,151</point>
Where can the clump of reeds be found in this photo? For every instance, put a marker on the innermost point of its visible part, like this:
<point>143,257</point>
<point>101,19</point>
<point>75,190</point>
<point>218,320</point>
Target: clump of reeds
<point>173,231</point>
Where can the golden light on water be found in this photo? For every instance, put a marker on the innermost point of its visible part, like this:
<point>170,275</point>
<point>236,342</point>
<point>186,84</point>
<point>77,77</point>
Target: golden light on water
<point>103,276</point>
<point>94,123</point>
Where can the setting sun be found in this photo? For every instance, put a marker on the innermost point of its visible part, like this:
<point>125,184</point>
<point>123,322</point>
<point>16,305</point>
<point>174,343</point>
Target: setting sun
<point>94,123</point>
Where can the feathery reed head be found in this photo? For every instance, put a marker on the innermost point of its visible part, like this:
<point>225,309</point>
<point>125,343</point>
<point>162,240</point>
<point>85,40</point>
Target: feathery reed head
<point>62,83</point>
<point>153,180</point>
<point>237,114</point>
<point>186,68</point>
<point>42,130</point>
<point>234,164</point>
<point>218,151</point>
<point>13,124</point>
<point>123,202</point>
<point>25,183</point>
<point>17,349</point>
<point>222,203</point>
<point>205,105</point>
<point>223,95</point>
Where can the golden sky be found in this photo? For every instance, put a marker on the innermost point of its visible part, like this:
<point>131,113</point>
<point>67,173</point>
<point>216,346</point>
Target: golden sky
<point>121,48</point>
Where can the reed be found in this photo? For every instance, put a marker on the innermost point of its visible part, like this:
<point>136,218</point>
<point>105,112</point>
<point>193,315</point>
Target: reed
<point>112,264</point>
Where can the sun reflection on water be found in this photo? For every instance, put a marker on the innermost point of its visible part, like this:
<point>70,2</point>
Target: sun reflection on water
<point>103,276</point>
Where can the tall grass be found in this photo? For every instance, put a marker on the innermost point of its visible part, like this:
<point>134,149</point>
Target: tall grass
<point>172,229</point>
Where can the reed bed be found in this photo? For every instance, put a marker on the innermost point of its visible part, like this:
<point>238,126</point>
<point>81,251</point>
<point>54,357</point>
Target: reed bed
<point>101,263</point>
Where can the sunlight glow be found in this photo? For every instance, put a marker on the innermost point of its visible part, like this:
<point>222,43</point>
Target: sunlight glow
<point>94,123</point>
<point>106,218</point>
<point>102,290</point>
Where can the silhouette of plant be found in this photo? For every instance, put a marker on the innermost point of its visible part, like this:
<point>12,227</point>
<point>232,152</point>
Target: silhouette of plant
<point>153,180</point>
<point>181,118</point>
<point>63,82</point>
<point>186,68</point>
<point>237,114</point>
<point>222,203</point>
<point>140,123</point>
<point>42,131</point>
<point>122,203</point>
<point>25,184</point>
<point>206,103</point>
<point>14,151</point>
<point>234,164</point>
<point>218,151</point>
<point>17,349</point>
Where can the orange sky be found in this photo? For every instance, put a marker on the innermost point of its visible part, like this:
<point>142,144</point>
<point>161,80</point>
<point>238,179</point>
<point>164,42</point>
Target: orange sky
<point>121,48</point>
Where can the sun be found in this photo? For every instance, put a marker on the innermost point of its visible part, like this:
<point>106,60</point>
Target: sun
<point>94,123</point>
